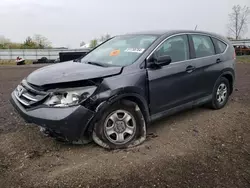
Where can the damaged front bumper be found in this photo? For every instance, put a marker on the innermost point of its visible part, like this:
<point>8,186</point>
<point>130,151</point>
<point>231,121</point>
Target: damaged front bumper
<point>70,123</point>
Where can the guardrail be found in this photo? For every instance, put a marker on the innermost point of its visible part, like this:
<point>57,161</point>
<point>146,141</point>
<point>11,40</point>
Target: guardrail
<point>241,42</point>
<point>33,54</point>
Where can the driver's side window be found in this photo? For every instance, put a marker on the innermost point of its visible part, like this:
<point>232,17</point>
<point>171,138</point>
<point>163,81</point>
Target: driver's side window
<point>176,47</point>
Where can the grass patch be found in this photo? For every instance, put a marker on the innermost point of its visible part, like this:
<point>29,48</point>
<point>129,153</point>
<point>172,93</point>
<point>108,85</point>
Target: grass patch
<point>243,59</point>
<point>13,62</point>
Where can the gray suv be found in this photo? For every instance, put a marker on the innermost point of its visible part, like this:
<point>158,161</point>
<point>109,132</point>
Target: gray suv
<point>118,88</point>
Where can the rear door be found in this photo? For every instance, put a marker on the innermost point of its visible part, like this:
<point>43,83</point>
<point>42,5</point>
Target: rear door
<point>172,85</point>
<point>206,62</point>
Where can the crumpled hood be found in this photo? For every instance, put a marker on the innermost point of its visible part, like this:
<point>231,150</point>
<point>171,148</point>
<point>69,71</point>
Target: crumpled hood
<point>69,72</point>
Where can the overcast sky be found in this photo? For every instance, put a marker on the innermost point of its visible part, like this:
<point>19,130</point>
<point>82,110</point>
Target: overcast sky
<point>67,23</point>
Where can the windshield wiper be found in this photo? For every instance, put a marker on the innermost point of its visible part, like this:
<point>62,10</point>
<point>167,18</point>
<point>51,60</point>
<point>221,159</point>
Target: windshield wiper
<point>96,63</point>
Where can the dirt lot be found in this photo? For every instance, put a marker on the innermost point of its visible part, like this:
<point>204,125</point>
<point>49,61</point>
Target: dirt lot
<point>197,148</point>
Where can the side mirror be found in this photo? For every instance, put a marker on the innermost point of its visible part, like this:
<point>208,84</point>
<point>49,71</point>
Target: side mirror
<point>163,60</point>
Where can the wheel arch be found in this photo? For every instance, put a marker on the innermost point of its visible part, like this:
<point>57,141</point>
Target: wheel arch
<point>133,97</point>
<point>230,77</point>
<point>143,105</point>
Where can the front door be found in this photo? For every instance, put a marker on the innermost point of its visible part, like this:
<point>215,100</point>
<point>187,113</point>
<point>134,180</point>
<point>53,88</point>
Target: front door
<point>174,84</point>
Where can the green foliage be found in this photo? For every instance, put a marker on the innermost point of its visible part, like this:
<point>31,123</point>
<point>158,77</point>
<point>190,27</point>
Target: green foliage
<point>29,44</point>
<point>2,46</point>
<point>243,59</point>
<point>37,42</point>
<point>93,43</point>
<point>10,45</point>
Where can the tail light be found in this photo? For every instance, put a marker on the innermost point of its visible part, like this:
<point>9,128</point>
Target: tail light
<point>234,55</point>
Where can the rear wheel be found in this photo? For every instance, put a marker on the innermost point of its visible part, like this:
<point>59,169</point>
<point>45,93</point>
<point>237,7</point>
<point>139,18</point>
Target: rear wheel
<point>120,126</point>
<point>220,94</point>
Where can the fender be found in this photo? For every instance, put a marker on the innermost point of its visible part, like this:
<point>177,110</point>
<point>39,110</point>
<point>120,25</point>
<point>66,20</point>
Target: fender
<point>228,72</point>
<point>224,73</point>
<point>232,74</point>
<point>142,103</point>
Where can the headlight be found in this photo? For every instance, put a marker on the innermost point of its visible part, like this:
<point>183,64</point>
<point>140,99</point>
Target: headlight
<point>69,97</point>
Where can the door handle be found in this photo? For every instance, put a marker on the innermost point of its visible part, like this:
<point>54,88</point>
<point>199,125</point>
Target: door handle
<point>218,60</point>
<point>190,69</point>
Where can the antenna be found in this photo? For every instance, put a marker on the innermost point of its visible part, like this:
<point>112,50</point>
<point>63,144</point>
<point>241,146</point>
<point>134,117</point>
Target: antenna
<point>196,27</point>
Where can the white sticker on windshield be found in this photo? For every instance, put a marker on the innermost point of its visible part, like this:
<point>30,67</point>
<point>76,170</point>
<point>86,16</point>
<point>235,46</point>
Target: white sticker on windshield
<point>135,50</point>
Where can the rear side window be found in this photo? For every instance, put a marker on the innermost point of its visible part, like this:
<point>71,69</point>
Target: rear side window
<point>221,46</point>
<point>203,46</point>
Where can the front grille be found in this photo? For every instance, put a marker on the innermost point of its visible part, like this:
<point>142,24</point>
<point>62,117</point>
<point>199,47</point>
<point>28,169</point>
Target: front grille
<point>28,96</point>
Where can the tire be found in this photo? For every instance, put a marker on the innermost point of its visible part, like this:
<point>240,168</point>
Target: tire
<point>120,126</point>
<point>222,88</point>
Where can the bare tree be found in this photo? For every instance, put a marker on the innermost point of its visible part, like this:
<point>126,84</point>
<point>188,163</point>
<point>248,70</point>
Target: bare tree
<point>238,21</point>
<point>41,41</point>
<point>4,40</point>
<point>82,43</point>
<point>104,38</point>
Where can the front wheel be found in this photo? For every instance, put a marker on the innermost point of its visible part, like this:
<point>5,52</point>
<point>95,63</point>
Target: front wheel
<point>122,125</point>
<point>220,93</point>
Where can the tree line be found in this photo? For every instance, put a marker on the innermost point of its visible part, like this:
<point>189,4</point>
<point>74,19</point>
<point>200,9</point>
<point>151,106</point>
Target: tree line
<point>94,42</point>
<point>35,42</point>
<point>237,28</point>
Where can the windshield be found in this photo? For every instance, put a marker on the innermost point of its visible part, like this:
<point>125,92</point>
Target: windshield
<point>120,50</point>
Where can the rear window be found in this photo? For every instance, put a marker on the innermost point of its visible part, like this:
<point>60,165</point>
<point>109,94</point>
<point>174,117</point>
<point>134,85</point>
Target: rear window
<point>221,46</point>
<point>203,46</point>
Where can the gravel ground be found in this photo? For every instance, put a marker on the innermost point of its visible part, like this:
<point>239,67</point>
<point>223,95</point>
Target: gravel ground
<point>196,148</point>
